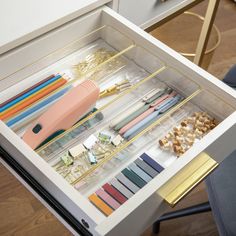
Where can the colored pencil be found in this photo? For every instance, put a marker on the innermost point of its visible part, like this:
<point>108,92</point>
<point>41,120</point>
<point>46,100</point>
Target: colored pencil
<point>33,99</point>
<point>37,107</point>
<point>26,90</point>
<point>31,92</point>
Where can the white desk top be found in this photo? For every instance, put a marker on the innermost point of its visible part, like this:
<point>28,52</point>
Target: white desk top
<point>22,20</point>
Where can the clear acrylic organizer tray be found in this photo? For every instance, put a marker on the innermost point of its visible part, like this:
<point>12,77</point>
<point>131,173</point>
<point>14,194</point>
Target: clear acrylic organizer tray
<point>90,128</point>
<point>148,142</point>
<point>72,62</point>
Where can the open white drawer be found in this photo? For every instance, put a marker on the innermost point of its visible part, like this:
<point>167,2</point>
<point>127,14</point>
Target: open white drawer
<point>30,62</point>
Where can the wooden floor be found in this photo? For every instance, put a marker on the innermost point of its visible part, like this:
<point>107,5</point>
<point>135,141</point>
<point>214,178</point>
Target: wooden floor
<point>22,214</point>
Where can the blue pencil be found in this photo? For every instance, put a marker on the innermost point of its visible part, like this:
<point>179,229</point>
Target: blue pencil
<point>20,98</point>
<point>37,107</point>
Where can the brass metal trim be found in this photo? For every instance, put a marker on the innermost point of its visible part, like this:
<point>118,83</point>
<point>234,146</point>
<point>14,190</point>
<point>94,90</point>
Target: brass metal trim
<point>190,176</point>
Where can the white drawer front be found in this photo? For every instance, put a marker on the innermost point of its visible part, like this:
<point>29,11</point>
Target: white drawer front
<point>172,66</point>
<point>21,28</point>
<point>147,13</point>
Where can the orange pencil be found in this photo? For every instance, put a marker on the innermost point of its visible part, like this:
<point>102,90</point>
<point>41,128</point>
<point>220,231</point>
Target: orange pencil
<point>29,97</point>
<point>33,99</point>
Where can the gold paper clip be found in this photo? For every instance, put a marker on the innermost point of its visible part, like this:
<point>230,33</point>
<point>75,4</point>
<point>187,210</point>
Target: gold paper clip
<point>116,88</point>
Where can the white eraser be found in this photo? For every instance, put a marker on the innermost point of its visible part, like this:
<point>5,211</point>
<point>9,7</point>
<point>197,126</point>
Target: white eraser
<point>77,150</point>
<point>90,141</point>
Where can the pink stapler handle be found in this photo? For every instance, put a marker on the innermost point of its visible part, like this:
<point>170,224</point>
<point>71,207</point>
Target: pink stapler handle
<point>64,113</point>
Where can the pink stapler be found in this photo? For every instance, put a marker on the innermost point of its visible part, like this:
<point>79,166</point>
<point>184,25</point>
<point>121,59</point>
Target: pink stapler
<point>63,114</point>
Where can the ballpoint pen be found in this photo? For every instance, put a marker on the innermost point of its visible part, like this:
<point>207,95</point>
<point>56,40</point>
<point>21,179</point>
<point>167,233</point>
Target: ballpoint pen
<point>152,117</point>
<point>126,113</point>
<point>152,108</point>
<point>132,108</point>
<point>142,109</point>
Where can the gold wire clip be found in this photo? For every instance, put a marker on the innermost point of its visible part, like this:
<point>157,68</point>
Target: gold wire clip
<point>116,88</point>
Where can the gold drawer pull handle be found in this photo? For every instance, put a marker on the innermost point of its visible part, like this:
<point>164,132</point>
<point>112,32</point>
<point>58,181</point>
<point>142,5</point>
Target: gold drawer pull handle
<point>191,175</point>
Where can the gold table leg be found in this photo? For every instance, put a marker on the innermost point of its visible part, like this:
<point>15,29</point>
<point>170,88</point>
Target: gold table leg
<point>206,30</point>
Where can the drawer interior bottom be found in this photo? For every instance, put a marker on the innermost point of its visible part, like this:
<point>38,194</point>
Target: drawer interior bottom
<point>147,117</point>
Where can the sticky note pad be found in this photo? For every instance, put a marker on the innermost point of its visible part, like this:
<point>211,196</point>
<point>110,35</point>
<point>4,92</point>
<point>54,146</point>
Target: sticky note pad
<point>107,199</point>
<point>134,178</point>
<point>100,204</point>
<point>145,167</point>
<point>127,183</point>
<point>121,188</point>
<point>114,193</point>
<point>138,171</point>
<point>152,163</point>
